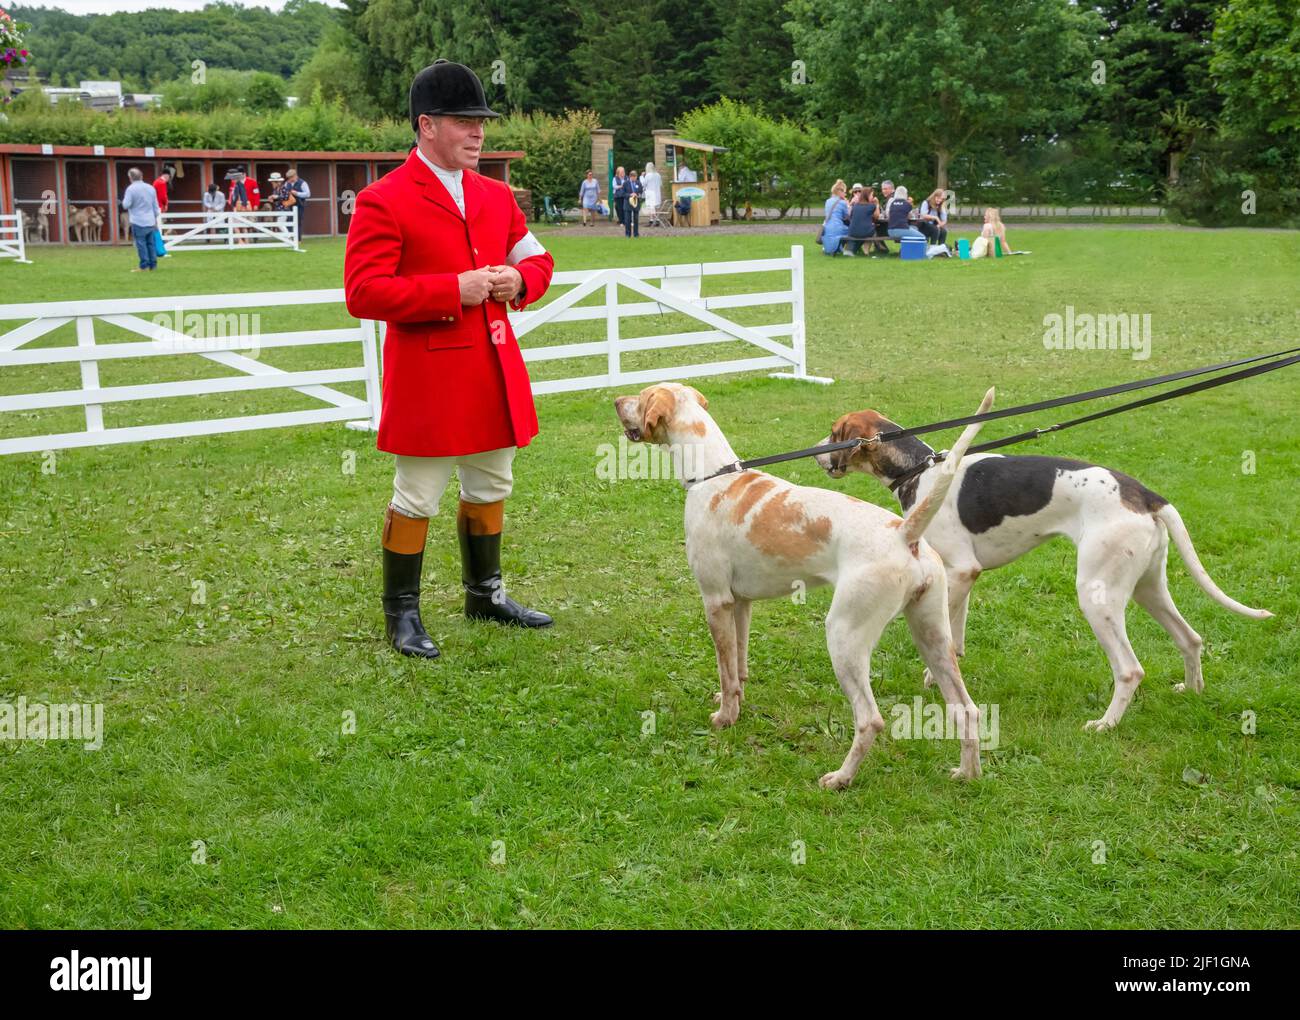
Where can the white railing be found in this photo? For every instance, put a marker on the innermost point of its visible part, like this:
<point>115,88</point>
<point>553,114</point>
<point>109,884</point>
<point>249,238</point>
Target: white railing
<point>11,237</point>
<point>167,333</point>
<point>225,231</point>
<point>672,288</point>
<point>168,324</point>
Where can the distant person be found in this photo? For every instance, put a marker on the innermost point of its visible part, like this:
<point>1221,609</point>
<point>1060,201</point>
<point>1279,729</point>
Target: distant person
<point>862,220</point>
<point>882,207</point>
<point>933,220</point>
<point>685,173</point>
<point>243,197</point>
<point>620,195</point>
<point>214,203</point>
<point>993,229</point>
<point>282,198</point>
<point>900,209</point>
<point>654,188</point>
<point>633,190</point>
<point>141,204</point>
<point>162,186</point>
<point>836,224</point>
<point>837,194</point>
<point>301,192</point>
<point>589,199</point>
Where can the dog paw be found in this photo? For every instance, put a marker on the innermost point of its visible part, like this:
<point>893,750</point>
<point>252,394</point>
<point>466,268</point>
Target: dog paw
<point>721,719</point>
<point>962,774</point>
<point>1179,688</point>
<point>834,781</point>
<point>929,678</point>
<point>1098,725</point>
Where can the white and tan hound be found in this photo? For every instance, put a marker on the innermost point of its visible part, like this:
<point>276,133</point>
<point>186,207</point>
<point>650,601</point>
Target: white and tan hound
<point>750,536</point>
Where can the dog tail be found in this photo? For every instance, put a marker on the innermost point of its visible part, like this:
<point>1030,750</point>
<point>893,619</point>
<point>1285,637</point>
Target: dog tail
<point>1173,523</point>
<point>920,516</point>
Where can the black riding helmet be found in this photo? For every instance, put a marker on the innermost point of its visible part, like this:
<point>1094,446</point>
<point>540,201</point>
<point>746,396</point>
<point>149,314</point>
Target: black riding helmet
<point>447,89</point>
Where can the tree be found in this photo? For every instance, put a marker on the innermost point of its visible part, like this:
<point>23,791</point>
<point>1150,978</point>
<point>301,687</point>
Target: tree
<point>755,57</point>
<point>619,72</point>
<point>521,51</point>
<point>768,161</point>
<point>940,74</point>
<point>1256,65</point>
<point>265,92</point>
<point>1155,54</point>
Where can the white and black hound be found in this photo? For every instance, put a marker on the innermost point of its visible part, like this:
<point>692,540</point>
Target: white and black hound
<point>999,507</point>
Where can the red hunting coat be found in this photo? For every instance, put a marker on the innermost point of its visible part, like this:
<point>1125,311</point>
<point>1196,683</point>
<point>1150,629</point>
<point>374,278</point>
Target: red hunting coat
<point>448,390</point>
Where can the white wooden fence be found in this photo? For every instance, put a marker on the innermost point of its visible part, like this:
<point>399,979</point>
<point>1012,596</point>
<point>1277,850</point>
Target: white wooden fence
<point>223,231</point>
<point>11,237</point>
<point>166,341</point>
<point>674,288</point>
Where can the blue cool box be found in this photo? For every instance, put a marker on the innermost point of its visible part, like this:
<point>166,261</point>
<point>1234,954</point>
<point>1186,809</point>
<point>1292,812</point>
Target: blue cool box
<point>912,248</point>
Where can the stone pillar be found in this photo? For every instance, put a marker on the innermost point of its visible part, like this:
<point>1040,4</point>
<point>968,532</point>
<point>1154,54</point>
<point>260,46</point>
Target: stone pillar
<point>661,151</point>
<point>602,141</point>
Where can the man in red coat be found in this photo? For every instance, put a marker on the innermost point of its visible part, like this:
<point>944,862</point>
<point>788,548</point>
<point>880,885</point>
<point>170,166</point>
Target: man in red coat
<point>438,251</point>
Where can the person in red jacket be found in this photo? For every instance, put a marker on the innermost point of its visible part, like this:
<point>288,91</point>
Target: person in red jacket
<point>161,186</point>
<point>438,252</point>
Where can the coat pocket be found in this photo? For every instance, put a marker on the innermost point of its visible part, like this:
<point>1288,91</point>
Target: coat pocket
<point>449,339</point>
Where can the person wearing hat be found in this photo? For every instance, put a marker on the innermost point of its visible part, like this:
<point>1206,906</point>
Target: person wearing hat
<point>283,199</point>
<point>244,197</point>
<point>439,252</point>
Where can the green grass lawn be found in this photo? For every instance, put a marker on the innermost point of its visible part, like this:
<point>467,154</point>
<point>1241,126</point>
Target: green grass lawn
<point>518,781</point>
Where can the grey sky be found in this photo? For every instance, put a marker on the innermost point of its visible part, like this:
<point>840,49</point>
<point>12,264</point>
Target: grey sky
<point>109,6</point>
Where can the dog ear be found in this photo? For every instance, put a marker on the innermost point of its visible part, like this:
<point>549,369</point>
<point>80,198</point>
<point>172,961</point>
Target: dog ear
<point>700,398</point>
<point>657,408</point>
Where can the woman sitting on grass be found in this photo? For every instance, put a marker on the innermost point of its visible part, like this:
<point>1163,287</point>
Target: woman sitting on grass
<point>993,229</point>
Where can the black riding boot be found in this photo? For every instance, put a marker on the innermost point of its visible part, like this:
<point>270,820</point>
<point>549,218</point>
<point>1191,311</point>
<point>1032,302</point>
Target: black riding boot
<point>401,600</point>
<point>485,596</point>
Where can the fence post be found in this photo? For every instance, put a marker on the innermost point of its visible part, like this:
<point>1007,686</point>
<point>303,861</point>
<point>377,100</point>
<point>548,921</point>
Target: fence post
<point>796,310</point>
<point>611,332</point>
<point>90,373</point>
<point>370,357</point>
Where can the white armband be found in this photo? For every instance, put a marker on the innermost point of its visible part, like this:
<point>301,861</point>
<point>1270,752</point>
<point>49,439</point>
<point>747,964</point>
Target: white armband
<point>527,247</point>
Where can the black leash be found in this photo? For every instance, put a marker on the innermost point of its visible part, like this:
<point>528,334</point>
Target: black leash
<point>1074,398</point>
<point>1182,391</point>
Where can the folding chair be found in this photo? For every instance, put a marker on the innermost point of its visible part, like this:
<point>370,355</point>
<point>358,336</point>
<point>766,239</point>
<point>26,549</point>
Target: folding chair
<point>662,216</point>
<point>553,214</point>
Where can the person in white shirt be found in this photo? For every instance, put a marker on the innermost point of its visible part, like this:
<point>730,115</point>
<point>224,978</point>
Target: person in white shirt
<point>214,202</point>
<point>654,188</point>
<point>685,173</point>
<point>141,204</point>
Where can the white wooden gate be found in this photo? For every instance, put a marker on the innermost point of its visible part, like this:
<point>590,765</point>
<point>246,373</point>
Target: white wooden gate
<point>224,231</point>
<point>166,341</point>
<point>11,237</point>
<point>673,288</point>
